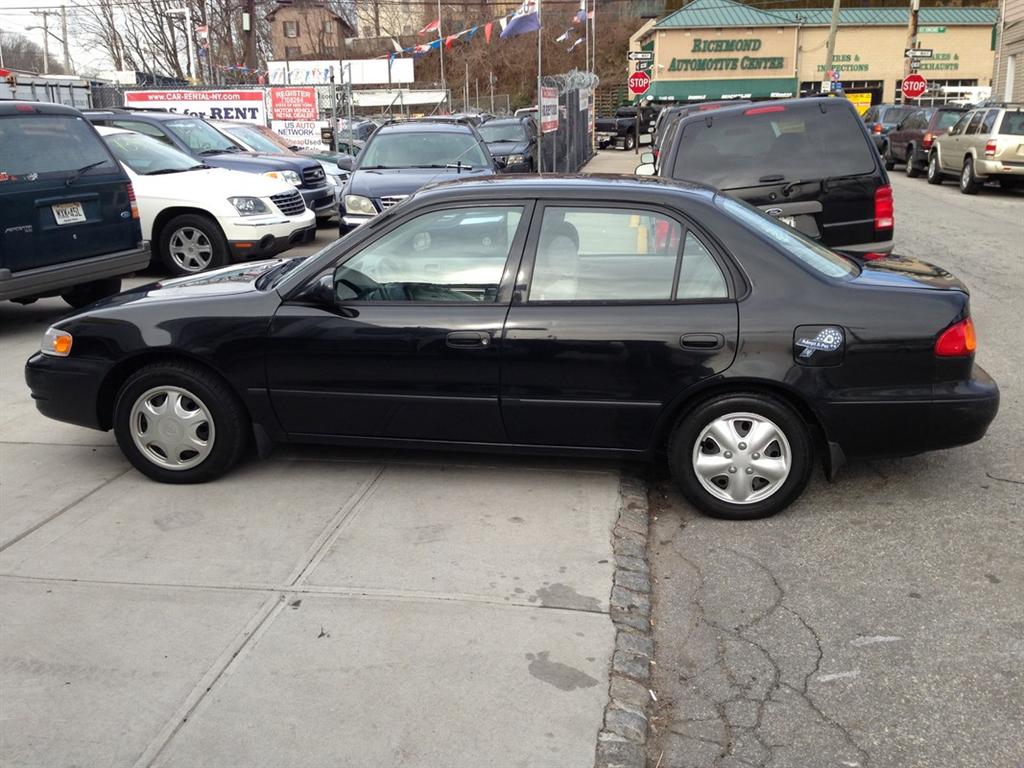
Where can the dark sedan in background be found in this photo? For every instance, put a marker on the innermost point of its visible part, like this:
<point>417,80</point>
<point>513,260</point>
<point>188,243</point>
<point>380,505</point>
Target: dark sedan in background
<point>882,118</point>
<point>600,316</point>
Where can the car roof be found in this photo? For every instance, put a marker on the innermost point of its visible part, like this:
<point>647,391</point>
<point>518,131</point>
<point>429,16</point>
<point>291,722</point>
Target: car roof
<point>426,126</point>
<point>796,104</point>
<point>132,115</point>
<point>36,107</point>
<point>517,120</point>
<point>106,130</point>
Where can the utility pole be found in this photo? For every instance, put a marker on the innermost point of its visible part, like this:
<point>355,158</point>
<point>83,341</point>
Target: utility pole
<point>64,38</point>
<point>830,56</point>
<point>249,30</point>
<point>376,17</point>
<point>46,39</point>
<point>909,64</point>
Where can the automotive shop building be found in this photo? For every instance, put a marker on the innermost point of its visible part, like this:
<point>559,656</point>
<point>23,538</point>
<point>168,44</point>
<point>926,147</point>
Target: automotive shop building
<point>718,49</point>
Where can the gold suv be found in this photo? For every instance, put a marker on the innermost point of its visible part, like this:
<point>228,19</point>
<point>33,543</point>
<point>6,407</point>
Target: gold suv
<point>986,144</point>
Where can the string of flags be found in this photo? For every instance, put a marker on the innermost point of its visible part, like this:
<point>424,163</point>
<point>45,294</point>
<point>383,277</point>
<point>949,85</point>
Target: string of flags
<point>524,20</point>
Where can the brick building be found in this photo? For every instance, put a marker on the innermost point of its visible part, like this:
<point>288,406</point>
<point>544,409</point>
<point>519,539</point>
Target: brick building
<point>307,29</point>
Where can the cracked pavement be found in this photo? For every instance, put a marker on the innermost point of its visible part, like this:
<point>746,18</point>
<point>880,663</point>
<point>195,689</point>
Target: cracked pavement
<point>880,620</point>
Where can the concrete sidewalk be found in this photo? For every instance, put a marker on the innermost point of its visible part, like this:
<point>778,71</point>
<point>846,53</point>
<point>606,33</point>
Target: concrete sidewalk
<point>615,161</point>
<point>323,607</point>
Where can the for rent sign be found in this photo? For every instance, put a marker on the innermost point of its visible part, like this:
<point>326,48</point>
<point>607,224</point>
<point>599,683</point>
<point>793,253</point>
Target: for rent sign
<point>242,105</point>
<point>293,104</point>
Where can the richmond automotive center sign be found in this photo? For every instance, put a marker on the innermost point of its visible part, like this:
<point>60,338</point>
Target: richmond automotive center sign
<point>243,105</point>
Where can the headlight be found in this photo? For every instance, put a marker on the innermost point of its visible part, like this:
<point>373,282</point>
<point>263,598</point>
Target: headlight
<point>290,176</point>
<point>249,206</point>
<point>514,160</point>
<point>359,204</point>
<point>56,342</point>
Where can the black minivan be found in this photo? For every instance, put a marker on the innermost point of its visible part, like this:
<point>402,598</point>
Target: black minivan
<point>69,224</point>
<point>808,162</point>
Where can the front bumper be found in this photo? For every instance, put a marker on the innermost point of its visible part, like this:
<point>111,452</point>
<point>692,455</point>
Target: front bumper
<point>270,245</point>
<point>54,278</point>
<point>915,421</point>
<point>67,388</point>
<point>320,200</point>
<point>999,168</point>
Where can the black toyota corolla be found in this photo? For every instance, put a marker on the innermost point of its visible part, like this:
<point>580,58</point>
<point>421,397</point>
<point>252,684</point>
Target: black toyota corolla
<point>603,316</point>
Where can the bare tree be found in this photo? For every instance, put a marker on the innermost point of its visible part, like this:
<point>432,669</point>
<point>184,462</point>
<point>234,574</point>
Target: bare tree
<point>21,53</point>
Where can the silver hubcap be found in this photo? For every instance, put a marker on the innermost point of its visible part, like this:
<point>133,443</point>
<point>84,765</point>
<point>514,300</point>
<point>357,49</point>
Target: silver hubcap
<point>965,177</point>
<point>172,428</point>
<point>742,458</point>
<point>190,249</point>
<point>933,167</point>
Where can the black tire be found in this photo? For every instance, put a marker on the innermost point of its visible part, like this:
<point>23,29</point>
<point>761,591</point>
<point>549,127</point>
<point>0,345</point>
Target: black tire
<point>86,293</point>
<point>911,169</point>
<point>627,142</point>
<point>934,173</point>
<point>228,426</point>
<point>969,183</point>
<point>888,159</point>
<point>214,248</point>
<point>683,443</point>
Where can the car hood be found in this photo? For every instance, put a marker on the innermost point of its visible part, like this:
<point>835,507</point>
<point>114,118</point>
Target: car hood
<point>404,181</point>
<point>258,161</point>
<point>503,148</point>
<point>906,272</point>
<point>219,183</point>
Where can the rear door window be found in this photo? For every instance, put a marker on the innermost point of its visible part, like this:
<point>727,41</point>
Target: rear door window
<point>766,144</point>
<point>1013,123</point>
<point>990,120</point>
<point>975,123</point>
<point>48,146</point>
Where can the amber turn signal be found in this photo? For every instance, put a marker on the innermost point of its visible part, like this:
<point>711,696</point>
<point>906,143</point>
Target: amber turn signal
<point>57,343</point>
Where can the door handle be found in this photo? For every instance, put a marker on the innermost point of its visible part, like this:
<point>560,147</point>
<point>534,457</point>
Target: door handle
<point>468,339</point>
<point>702,341</point>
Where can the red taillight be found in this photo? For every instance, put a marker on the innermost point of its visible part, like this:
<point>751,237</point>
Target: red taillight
<point>133,202</point>
<point>883,208</point>
<point>24,108</point>
<point>656,152</point>
<point>990,148</point>
<point>873,256</point>
<point>763,110</point>
<point>928,139</point>
<point>958,340</point>
<point>877,128</point>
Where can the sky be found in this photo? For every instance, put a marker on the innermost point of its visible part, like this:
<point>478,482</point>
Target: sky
<point>14,18</point>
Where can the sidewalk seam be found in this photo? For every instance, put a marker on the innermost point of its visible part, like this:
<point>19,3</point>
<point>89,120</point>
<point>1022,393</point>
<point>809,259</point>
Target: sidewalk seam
<point>622,741</point>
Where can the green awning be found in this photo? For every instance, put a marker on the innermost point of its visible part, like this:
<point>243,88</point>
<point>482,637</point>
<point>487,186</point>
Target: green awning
<point>708,90</point>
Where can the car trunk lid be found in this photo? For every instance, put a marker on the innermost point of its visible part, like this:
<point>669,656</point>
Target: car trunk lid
<point>907,272</point>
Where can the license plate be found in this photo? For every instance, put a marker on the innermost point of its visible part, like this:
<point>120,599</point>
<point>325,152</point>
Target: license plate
<point>69,213</point>
<point>788,220</point>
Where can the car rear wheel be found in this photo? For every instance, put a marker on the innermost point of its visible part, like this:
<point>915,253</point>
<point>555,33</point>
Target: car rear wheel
<point>934,174</point>
<point>627,143</point>
<point>969,183</point>
<point>911,169</point>
<point>890,161</point>
<point>178,423</point>
<point>87,293</point>
<point>741,456</point>
<point>190,244</point>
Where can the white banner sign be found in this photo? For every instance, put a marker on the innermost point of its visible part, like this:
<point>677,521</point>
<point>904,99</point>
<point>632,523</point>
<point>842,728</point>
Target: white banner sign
<point>300,133</point>
<point>356,71</point>
<point>243,105</point>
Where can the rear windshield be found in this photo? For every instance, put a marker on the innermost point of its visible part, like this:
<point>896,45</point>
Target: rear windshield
<point>423,150</point>
<point>814,255</point>
<point>756,147</point>
<point>492,132</point>
<point>895,114</point>
<point>947,119</point>
<point>1013,124</point>
<point>45,146</point>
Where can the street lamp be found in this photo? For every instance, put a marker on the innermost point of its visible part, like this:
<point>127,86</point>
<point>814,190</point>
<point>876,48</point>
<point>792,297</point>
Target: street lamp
<point>46,45</point>
<point>187,13</point>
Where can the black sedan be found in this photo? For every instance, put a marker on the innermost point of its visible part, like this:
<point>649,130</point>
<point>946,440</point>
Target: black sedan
<point>599,316</point>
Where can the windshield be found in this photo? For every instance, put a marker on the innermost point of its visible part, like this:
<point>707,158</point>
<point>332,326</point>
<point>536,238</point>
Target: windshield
<point>256,139</point>
<point>503,132</point>
<point>44,145</point>
<point>947,119</point>
<point>423,150</point>
<point>771,144</point>
<point>147,156</point>
<point>813,254</point>
<point>200,136</point>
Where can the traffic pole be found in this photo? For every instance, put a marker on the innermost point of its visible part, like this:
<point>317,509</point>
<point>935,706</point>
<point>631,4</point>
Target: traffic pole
<point>831,54</point>
<point>910,64</point>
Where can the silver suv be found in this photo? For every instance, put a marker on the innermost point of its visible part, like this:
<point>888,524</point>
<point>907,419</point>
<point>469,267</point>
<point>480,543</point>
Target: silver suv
<point>986,144</point>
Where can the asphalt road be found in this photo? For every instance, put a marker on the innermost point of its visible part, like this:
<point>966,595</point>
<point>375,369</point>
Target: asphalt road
<point>880,620</point>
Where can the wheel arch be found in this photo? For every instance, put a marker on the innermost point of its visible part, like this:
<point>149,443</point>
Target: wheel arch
<point>121,372</point>
<point>180,210</point>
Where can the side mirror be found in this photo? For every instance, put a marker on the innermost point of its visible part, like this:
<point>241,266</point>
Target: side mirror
<point>346,163</point>
<point>647,157</point>
<point>645,169</point>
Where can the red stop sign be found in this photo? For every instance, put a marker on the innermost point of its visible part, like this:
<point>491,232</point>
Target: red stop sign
<point>639,82</point>
<point>914,86</point>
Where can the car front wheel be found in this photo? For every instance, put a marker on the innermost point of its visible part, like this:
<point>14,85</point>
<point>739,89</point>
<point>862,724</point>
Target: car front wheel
<point>934,174</point>
<point>190,244</point>
<point>179,423</point>
<point>627,143</point>
<point>890,161</point>
<point>969,183</point>
<point>741,456</point>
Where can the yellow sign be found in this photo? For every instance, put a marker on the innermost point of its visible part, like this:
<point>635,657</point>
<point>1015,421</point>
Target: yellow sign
<point>862,101</point>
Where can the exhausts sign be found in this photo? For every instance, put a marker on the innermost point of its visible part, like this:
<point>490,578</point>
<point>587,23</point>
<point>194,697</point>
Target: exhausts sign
<point>243,105</point>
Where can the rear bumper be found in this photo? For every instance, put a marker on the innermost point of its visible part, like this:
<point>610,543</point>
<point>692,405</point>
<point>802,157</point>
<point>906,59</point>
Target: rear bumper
<point>988,168</point>
<point>270,245</point>
<point>55,278</point>
<point>66,388</point>
<point>943,416</point>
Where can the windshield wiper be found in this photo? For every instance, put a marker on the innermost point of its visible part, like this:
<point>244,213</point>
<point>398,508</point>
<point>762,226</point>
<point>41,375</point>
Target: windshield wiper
<point>74,176</point>
<point>216,151</point>
<point>788,186</point>
<point>459,166</point>
<point>161,171</point>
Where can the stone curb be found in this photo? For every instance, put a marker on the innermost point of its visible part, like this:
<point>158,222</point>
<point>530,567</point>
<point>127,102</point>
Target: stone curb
<point>623,737</point>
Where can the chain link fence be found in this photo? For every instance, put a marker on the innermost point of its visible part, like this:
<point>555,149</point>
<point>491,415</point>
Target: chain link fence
<point>569,148</point>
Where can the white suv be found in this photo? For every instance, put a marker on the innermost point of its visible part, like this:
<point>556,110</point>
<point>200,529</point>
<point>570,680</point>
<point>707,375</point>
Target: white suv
<point>200,218</point>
